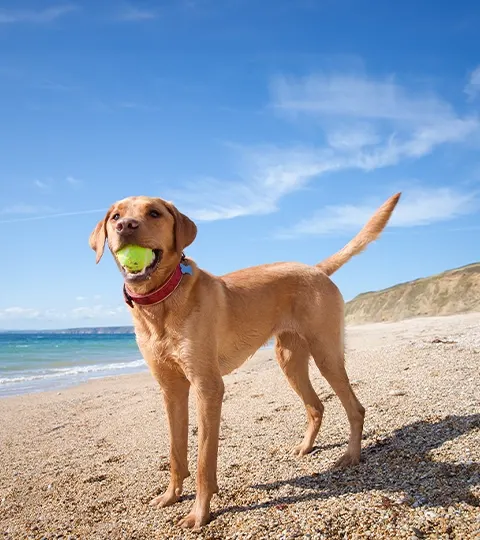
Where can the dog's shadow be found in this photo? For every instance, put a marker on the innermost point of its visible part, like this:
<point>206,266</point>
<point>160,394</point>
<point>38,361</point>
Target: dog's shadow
<point>397,463</point>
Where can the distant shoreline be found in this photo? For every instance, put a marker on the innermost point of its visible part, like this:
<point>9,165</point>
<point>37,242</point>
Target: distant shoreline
<point>96,330</point>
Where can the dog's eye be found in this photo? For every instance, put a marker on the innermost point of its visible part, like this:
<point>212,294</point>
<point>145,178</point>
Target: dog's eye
<point>154,213</point>
<point>116,217</point>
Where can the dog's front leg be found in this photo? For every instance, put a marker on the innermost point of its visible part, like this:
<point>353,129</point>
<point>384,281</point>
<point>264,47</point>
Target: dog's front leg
<point>175,394</point>
<point>209,391</point>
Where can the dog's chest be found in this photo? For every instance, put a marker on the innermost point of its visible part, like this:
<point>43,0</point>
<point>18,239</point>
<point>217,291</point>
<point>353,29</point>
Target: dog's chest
<point>159,348</point>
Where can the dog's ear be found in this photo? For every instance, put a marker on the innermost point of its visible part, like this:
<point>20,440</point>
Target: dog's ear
<point>98,237</point>
<point>185,228</point>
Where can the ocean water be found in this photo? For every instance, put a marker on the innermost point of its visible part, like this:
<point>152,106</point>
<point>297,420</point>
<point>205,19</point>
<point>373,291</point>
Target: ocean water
<point>37,362</point>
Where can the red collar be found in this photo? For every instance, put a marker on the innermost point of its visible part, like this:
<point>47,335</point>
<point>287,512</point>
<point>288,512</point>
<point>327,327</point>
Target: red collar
<point>156,296</point>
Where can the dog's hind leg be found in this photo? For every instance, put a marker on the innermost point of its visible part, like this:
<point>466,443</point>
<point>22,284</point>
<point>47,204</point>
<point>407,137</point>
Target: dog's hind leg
<point>293,355</point>
<point>328,354</point>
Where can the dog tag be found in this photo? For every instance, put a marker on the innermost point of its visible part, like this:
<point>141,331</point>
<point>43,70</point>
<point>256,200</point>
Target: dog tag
<point>186,269</point>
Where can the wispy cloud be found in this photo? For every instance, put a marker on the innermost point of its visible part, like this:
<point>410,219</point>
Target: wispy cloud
<point>136,106</point>
<point>16,312</point>
<point>352,96</point>
<point>54,216</point>
<point>41,185</point>
<point>268,175</point>
<point>367,124</point>
<point>136,14</point>
<point>23,209</point>
<point>417,207</point>
<point>74,182</point>
<point>397,123</point>
<point>472,89</point>
<point>352,138</point>
<point>49,184</point>
<point>38,16</point>
<point>97,311</point>
<point>94,312</point>
<point>96,297</point>
<point>54,86</point>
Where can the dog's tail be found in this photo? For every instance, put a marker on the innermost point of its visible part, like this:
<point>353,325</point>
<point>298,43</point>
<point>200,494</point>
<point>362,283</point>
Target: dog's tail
<point>370,232</point>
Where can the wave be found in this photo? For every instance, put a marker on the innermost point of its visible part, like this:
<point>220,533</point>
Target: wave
<point>72,371</point>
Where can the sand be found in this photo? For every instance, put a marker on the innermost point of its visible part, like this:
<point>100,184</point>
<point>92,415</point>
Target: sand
<point>83,463</point>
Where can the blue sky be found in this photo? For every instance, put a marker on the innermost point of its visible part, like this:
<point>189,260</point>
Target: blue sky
<point>278,126</point>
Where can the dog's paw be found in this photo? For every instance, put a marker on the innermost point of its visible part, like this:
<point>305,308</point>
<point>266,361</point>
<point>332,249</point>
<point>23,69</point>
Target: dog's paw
<point>347,460</point>
<point>301,450</point>
<point>166,499</point>
<point>194,520</point>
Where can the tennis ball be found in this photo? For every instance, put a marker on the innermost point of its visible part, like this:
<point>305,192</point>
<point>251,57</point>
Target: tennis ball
<point>135,258</point>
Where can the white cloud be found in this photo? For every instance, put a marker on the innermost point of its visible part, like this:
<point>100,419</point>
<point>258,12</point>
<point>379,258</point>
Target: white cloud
<point>398,123</point>
<point>18,209</point>
<point>426,206</point>
<point>473,86</point>
<point>19,313</point>
<point>41,185</point>
<point>135,14</point>
<point>367,125</point>
<point>53,315</point>
<point>97,311</point>
<point>54,86</point>
<point>354,137</point>
<point>51,216</point>
<point>269,175</point>
<point>74,182</point>
<point>84,298</point>
<point>417,207</point>
<point>40,16</point>
<point>136,106</point>
<point>87,312</point>
<point>356,97</point>
<point>94,312</point>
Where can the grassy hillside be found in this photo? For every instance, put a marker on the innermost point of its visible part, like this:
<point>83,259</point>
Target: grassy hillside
<point>454,291</point>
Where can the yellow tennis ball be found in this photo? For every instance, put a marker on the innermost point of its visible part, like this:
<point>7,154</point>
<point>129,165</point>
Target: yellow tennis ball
<point>135,258</point>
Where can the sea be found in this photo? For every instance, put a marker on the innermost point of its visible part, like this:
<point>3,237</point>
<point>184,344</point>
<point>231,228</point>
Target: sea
<point>37,362</point>
<point>47,361</point>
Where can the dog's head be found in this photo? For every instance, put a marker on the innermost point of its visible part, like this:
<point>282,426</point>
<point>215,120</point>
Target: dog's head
<point>148,222</point>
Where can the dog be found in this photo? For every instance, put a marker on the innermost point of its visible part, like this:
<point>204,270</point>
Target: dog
<point>193,328</point>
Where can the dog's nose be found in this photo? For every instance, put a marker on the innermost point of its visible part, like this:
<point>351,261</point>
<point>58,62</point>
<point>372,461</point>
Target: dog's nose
<point>126,225</point>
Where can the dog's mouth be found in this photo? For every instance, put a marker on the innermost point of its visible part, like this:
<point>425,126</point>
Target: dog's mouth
<point>145,273</point>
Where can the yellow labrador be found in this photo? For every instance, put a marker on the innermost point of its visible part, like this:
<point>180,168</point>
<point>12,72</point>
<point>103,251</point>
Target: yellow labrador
<point>193,327</point>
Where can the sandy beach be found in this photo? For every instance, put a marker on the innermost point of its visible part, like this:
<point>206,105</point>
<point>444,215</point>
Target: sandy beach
<point>84,462</point>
